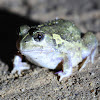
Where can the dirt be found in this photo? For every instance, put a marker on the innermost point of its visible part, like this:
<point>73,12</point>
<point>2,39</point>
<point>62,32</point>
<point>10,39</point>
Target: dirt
<point>40,83</point>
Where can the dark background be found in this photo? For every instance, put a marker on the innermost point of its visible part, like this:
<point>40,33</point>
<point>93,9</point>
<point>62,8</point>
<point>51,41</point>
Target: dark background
<point>9,28</point>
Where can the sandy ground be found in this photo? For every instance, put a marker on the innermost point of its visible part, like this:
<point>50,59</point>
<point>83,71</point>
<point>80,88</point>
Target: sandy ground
<point>41,83</point>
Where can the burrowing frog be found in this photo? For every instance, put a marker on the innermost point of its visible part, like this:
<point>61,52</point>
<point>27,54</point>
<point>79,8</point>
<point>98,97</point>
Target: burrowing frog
<point>54,42</point>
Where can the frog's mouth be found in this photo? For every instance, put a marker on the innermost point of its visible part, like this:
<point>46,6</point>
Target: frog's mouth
<point>26,47</point>
<point>37,50</point>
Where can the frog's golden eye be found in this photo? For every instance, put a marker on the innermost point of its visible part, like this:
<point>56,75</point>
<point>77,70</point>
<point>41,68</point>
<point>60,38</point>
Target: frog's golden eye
<point>38,36</point>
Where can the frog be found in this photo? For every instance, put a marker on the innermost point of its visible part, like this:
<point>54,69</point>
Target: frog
<point>53,42</point>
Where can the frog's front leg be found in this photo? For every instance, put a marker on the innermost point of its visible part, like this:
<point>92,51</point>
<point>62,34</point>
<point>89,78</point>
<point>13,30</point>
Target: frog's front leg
<point>67,68</point>
<point>18,65</point>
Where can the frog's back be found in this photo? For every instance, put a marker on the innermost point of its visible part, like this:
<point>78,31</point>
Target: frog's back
<point>66,29</point>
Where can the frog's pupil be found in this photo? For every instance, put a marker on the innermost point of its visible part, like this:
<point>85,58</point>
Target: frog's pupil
<point>38,37</point>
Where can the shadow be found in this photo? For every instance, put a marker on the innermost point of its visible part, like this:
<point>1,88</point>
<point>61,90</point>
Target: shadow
<point>9,23</point>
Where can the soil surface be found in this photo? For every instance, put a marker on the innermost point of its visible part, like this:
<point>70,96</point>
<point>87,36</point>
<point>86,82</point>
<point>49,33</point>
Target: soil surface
<point>41,83</point>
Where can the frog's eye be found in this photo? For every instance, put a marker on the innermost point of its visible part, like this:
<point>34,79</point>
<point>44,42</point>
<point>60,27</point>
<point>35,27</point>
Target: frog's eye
<point>38,36</point>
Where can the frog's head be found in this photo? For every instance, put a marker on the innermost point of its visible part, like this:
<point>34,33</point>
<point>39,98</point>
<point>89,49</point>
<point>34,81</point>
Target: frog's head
<point>35,40</point>
<point>48,36</point>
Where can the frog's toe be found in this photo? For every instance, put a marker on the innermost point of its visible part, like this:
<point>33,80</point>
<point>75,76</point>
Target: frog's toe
<point>93,55</point>
<point>19,66</point>
<point>65,74</point>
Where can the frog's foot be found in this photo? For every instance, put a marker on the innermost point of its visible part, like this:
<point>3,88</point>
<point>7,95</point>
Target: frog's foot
<point>93,55</point>
<point>19,66</point>
<point>90,58</point>
<point>67,73</point>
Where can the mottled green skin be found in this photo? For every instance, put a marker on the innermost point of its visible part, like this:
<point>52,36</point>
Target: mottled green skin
<point>64,28</point>
<point>60,36</point>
